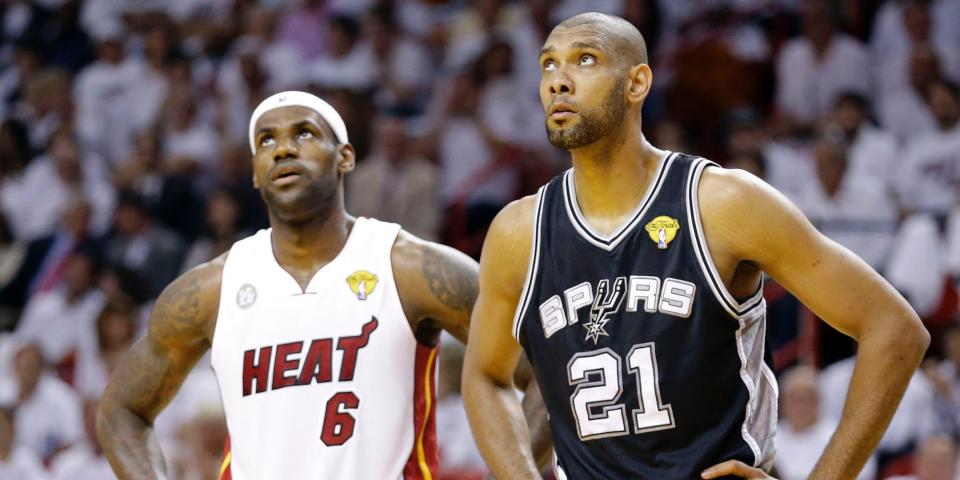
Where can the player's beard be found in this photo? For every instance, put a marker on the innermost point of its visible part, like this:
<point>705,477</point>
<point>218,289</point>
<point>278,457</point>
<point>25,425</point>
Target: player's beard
<point>593,124</point>
<point>314,200</point>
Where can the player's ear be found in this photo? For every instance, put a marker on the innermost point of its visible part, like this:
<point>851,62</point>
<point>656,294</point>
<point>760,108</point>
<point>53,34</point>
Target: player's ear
<point>253,176</point>
<point>639,81</point>
<point>346,158</point>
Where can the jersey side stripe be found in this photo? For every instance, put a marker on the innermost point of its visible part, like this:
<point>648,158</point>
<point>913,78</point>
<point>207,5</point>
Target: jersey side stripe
<point>532,266</point>
<point>726,299</point>
<point>424,460</point>
<point>225,473</point>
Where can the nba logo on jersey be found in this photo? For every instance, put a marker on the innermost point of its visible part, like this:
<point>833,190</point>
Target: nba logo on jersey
<point>663,230</point>
<point>362,283</point>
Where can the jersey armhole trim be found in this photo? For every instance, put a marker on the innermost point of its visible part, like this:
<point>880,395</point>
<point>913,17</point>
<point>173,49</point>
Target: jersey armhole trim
<point>532,266</point>
<point>702,251</point>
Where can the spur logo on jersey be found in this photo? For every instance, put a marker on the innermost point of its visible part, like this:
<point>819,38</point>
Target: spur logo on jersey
<point>607,303</point>
<point>316,365</point>
<point>663,230</point>
<point>669,296</point>
<point>362,283</point>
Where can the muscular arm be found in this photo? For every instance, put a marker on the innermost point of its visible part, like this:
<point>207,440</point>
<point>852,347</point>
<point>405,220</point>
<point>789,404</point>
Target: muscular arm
<point>495,413</point>
<point>151,372</point>
<point>838,287</point>
<point>437,286</point>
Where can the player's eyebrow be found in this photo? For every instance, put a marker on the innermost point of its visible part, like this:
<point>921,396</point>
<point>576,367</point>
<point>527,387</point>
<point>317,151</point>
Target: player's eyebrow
<point>263,130</point>
<point>576,45</point>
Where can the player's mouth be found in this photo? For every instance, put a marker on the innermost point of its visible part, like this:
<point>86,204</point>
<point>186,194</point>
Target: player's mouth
<point>561,111</point>
<point>286,175</point>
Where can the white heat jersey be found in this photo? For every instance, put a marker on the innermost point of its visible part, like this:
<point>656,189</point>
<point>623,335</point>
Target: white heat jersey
<point>327,382</point>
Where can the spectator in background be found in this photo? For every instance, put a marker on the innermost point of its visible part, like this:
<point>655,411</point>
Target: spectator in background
<point>138,244</point>
<point>42,266</point>
<point>27,60</point>
<point>404,68</point>
<point>804,433</point>
<point>944,376</point>
<point>200,453</point>
<point>513,115</point>
<point>786,166</point>
<point>105,91</point>
<point>475,179</point>
<point>190,143</point>
<point>59,320</point>
<point>345,64</point>
<point>892,56</point>
<point>935,459</point>
<point>84,460</point>
<point>46,411</point>
<point>12,254</point>
<point>905,112</point>
<point>47,105</point>
<point>304,28</point>
<point>222,230</point>
<point>459,457</point>
<point>153,87</point>
<point>873,152</point>
<point>104,345</point>
<point>16,462</point>
<point>62,173</point>
<point>15,150</point>
<point>235,177</point>
<point>256,66</point>
<point>814,68</point>
<point>930,172</point>
<point>171,197</point>
<point>395,184</point>
<point>854,209</point>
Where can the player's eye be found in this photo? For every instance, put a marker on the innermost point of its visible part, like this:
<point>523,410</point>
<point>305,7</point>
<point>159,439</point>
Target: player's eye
<point>588,60</point>
<point>304,134</point>
<point>549,65</point>
<point>267,140</point>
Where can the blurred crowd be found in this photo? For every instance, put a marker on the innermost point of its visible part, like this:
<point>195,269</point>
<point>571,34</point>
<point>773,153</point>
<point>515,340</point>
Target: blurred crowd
<point>124,162</point>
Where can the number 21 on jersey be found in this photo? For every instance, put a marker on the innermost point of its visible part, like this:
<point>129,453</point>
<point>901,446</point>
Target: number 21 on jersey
<point>597,376</point>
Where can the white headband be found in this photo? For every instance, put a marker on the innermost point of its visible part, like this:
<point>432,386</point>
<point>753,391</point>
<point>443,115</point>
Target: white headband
<point>294,98</point>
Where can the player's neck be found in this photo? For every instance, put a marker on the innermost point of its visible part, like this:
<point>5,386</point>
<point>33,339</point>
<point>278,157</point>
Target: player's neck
<point>611,177</point>
<point>311,245</point>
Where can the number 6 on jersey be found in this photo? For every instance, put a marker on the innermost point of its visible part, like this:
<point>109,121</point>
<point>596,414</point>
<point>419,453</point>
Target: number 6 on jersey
<point>604,390</point>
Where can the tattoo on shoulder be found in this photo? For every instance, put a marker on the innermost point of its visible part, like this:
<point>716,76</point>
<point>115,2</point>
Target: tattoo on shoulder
<point>450,281</point>
<point>183,306</point>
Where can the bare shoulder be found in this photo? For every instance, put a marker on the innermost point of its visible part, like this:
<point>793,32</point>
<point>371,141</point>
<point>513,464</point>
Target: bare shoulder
<point>725,190</point>
<point>186,310</point>
<point>746,217</point>
<point>506,250</point>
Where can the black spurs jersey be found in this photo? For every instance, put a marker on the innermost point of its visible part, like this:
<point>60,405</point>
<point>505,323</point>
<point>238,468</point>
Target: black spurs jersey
<point>649,367</point>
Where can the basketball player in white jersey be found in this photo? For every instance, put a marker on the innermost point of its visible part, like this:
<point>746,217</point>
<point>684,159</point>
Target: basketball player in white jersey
<point>322,328</point>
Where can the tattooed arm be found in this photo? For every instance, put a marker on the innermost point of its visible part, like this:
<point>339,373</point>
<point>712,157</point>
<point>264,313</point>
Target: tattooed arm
<point>438,287</point>
<point>180,331</point>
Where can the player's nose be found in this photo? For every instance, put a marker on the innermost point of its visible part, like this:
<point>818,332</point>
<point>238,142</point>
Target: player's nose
<point>560,83</point>
<point>286,148</point>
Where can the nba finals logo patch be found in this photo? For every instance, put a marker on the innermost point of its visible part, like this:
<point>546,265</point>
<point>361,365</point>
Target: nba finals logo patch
<point>663,230</point>
<point>362,283</point>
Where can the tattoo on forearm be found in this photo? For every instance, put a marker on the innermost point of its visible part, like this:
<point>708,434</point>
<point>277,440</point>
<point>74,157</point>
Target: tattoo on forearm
<point>451,282</point>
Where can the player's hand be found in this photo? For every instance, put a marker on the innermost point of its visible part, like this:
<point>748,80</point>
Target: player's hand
<point>736,468</point>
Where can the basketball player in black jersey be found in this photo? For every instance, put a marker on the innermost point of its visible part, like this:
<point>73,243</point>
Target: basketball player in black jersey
<point>633,283</point>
